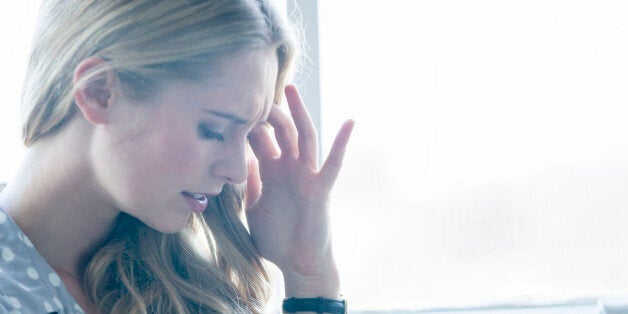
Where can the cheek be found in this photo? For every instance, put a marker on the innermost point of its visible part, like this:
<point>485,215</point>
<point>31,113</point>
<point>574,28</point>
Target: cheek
<point>152,165</point>
<point>173,153</point>
<point>180,154</point>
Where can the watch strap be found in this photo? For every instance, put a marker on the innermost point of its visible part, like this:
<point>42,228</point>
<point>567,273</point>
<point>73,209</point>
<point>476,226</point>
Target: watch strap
<point>317,305</point>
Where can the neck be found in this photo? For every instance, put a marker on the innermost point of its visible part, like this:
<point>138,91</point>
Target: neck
<point>57,203</point>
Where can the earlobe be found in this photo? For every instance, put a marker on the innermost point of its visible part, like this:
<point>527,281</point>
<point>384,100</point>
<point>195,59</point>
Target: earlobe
<point>93,89</point>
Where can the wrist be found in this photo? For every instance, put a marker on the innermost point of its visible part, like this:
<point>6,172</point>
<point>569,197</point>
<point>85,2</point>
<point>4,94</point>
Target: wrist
<point>324,284</point>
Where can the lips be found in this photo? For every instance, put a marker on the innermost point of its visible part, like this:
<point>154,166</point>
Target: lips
<point>197,201</point>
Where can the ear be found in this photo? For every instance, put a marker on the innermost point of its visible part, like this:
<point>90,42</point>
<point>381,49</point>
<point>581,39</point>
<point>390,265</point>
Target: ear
<point>93,94</point>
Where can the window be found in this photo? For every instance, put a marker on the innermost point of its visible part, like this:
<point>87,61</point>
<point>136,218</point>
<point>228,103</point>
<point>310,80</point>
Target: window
<point>17,21</point>
<point>489,163</point>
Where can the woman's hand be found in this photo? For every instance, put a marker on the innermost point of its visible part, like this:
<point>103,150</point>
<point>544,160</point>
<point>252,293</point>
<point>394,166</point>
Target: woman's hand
<point>287,199</point>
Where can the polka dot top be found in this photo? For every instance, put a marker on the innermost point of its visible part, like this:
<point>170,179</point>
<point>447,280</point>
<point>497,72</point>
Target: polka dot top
<point>27,283</point>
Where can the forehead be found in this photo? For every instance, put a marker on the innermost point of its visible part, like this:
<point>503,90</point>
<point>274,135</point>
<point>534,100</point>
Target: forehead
<point>243,85</point>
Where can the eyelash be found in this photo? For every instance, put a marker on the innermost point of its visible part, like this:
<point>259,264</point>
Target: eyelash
<point>206,133</point>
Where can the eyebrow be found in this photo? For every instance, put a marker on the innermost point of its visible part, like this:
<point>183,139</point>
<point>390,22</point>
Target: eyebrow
<point>229,116</point>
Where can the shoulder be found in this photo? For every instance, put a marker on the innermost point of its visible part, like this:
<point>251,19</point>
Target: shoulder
<point>16,281</point>
<point>27,283</point>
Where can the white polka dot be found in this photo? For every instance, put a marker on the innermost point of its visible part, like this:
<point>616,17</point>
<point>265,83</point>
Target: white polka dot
<point>57,302</point>
<point>3,217</point>
<point>78,308</point>
<point>27,242</point>
<point>7,255</point>
<point>48,307</point>
<point>15,302</point>
<point>25,239</point>
<point>54,279</point>
<point>32,273</point>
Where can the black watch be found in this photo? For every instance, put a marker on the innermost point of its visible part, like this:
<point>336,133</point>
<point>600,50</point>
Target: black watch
<point>317,305</point>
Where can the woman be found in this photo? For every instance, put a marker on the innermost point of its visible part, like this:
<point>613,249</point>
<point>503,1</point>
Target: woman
<point>139,115</point>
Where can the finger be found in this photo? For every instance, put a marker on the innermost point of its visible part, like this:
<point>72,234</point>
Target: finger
<point>308,138</point>
<point>262,144</point>
<point>253,184</point>
<point>331,168</point>
<point>285,131</point>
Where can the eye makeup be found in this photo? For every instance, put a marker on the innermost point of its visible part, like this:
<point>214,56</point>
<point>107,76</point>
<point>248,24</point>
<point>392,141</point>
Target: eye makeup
<point>205,132</point>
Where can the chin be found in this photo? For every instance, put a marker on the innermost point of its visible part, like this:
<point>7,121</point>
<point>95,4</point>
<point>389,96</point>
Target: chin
<point>171,226</point>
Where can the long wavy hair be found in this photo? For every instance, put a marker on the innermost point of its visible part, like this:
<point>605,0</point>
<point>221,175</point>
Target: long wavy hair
<point>211,265</point>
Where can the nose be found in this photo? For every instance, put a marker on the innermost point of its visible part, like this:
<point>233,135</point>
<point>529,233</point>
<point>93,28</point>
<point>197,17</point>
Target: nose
<point>230,165</point>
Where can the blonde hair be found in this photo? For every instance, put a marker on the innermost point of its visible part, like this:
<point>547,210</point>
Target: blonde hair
<point>146,43</point>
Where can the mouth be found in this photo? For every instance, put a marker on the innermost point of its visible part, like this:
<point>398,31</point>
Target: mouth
<point>197,201</point>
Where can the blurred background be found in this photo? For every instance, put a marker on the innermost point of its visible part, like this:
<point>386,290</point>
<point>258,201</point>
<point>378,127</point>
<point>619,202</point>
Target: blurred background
<point>489,163</point>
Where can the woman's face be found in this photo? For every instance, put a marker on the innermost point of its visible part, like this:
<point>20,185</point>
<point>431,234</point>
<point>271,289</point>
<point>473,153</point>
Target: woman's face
<point>156,158</point>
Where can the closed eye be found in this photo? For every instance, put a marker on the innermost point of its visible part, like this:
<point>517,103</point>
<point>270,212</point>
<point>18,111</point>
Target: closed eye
<point>205,132</point>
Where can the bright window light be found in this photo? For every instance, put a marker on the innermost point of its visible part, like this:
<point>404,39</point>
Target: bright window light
<point>17,22</point>
<point>489,162</point>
